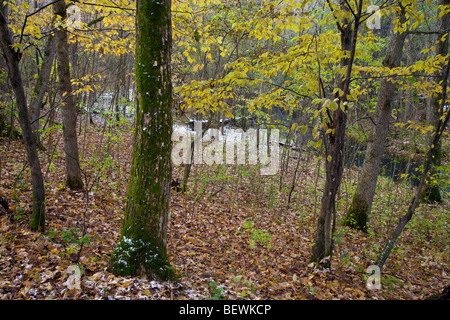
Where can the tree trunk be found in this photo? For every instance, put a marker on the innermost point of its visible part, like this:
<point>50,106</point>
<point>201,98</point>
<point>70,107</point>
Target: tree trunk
<point>4,101</point>
<point>431,192</point>
<point>41,88</point>
<point>358,213</point>
<point>142,249</point>
<point>434,144</point>
<point>334,144</point>
<point>69,109</point>
<point>12,58</point>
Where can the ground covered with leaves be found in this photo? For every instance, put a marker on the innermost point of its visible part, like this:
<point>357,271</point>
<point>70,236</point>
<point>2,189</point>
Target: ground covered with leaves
<point>232,235</point>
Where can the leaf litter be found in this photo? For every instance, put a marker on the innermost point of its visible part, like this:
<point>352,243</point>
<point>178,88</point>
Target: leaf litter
<point>231,235</point>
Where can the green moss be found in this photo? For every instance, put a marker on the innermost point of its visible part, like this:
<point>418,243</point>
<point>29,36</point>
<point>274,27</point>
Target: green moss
<point>357,216</point>
<point>5,129</point>
<point>142,248</point>
<point>321,221</point>
<point>74,182</point>
<point>138,255</point>
<point>37,222</point>
<point>431,194</point>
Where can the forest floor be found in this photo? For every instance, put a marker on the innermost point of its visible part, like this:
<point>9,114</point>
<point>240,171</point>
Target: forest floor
<point>231,235</point>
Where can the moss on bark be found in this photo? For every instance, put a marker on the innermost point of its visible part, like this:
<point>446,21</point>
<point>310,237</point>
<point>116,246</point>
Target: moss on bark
<point>140,253</point>
<point>357,216</point>
<point>142,247</point>
<point>432,192</point>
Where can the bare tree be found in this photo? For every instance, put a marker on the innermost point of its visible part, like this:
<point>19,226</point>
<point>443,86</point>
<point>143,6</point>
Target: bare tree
<point>434,143</point>
<point>69,108</point>
<point>358,213</point>
<point>41,87</point>
<point>334,140</point>
<point>431,192</point>
<point>12,57</point>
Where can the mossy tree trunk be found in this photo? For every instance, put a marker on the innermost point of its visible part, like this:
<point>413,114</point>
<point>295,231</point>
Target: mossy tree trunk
<point>142,248</point>
<point>12,58</point>
<point>360,207</point>
<point>334,141</point>
<point>69,108</point>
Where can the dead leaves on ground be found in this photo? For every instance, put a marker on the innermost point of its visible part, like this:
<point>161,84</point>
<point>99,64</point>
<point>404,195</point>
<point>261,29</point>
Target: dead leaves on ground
<point>231,237</point>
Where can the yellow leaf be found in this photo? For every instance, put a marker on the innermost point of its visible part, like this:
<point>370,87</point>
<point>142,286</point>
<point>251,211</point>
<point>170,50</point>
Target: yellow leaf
<point>304,129</point>
<point>25,5</point>
<point>146,292</point>
<point>126,283</point>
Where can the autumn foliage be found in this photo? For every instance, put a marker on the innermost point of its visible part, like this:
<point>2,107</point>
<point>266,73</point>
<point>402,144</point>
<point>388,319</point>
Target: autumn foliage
<point>317,71</point>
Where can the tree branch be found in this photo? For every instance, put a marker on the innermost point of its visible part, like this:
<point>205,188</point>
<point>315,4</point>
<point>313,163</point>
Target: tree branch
<point>32,14</point>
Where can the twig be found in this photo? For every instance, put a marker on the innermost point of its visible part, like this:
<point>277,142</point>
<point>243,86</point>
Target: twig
<point>31,14</point>
<point>215,193</point>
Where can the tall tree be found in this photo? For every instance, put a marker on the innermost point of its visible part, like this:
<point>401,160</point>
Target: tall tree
<point>434,143</point>
<point>142,248</point>
<point>41,87</point>
<point>69,108</point>
<point>335,135</point>
<point>431,192</point>
<point>358,213</point>
<point>12,57</point>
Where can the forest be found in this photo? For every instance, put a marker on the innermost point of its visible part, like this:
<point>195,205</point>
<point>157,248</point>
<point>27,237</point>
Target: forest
<point>224,150</point>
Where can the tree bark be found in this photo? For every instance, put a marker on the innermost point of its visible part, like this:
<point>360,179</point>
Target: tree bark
<point>358,213</point>
<point>334,143</point>
<point>69,109</point>
<point>4,101</point>
<point>142,248</point>
<point>12,58</point>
